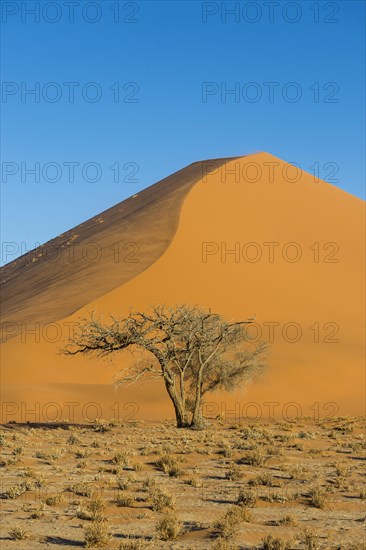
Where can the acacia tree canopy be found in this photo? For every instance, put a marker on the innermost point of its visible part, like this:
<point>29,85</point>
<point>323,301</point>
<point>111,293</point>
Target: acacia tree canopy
<point>192,350</point>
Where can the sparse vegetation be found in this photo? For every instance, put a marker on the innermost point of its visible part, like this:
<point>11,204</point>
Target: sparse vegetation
<point>246,497</point>
<point>207,505</point>
<point>234,472</point>
<point>161,499</point>
<point>96,535</point>
<point>254,458</point>
<point>124,499</point>
<point>169,465</point>
<point>169,527</point>
<point>230,522</point>
<point>135,544</point>
<point>317,497</point>
<point>310,539</point>
<point>272,542</point>
<point>18,533</point>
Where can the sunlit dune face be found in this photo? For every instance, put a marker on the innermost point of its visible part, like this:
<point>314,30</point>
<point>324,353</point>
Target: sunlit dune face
<point>252,236</point>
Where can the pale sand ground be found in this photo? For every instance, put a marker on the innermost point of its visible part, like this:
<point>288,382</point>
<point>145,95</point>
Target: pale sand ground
<point>297,458</point>
<point>215,209</point>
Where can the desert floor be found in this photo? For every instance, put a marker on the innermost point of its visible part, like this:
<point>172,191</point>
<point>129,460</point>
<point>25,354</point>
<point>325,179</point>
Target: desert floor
<point>246,484</point>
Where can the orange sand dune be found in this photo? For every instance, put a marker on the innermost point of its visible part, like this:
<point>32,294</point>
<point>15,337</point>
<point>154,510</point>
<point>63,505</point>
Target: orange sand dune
<point>255,236</point>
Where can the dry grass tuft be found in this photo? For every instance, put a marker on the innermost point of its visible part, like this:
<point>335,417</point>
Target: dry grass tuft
<point>246,497</point>
<point>96,535</point>
<point>272,542</point>
<point>229,523</point>
<point>317,498</point>
<point>169,527</point>
<point>18,533</point>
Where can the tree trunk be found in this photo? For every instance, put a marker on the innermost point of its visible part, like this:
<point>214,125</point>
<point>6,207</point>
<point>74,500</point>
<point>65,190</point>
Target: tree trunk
<point>197,420</point>
<point>182,390</point>
<point>178,406</point>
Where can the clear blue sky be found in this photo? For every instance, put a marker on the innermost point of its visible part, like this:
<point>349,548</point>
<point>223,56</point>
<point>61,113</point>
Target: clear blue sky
<point>168,50</point>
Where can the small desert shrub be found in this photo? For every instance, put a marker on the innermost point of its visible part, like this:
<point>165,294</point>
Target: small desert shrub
<point>37,514</point>
<point>149,483</point>
<point>246,497</point>
<point>344,428</point>
<point>17,451</point>
<point>222,544</point>
<point>121,484</point>
<point>275,451</point>
<point>253,458</point>
<point>53,500</point>
<point>102,426</point>
<point>28,472</point>
<point>341,469</point>
<point>229,524</point>
<point>194,481</point>
<point>317,498</point>
<point>160,500</point>
<point>39,481</point>
<point>117,470</point>
<point>306,435</point>
<point>169,465</point>
<point>169,527</point>
<point>298,471</point>
<point>95,506</point>
<point>234,472</point>
<point>263,479</point>
<point>82,453</point>
<point>72,440</point>
<point>15,491</point>
<point>131,478</point>
<point>134,544</point>
<point>121,459</point>
<point>81,513</point>
<point>18,533</point>
<point>50,457</point>
<point>275,496</point>
<point>124,499</point>
<point>310,540</point>
<point>251,432</point>
<point>275,543</point>
<point>227,452</point>
<point>286,520</point>
<point>82,489</point>
<point>96,534</point>
<point>315,452</point>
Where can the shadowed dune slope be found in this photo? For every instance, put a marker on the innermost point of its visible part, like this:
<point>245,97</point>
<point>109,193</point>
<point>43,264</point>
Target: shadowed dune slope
<point>59,277</point>
<point>255,236</point>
